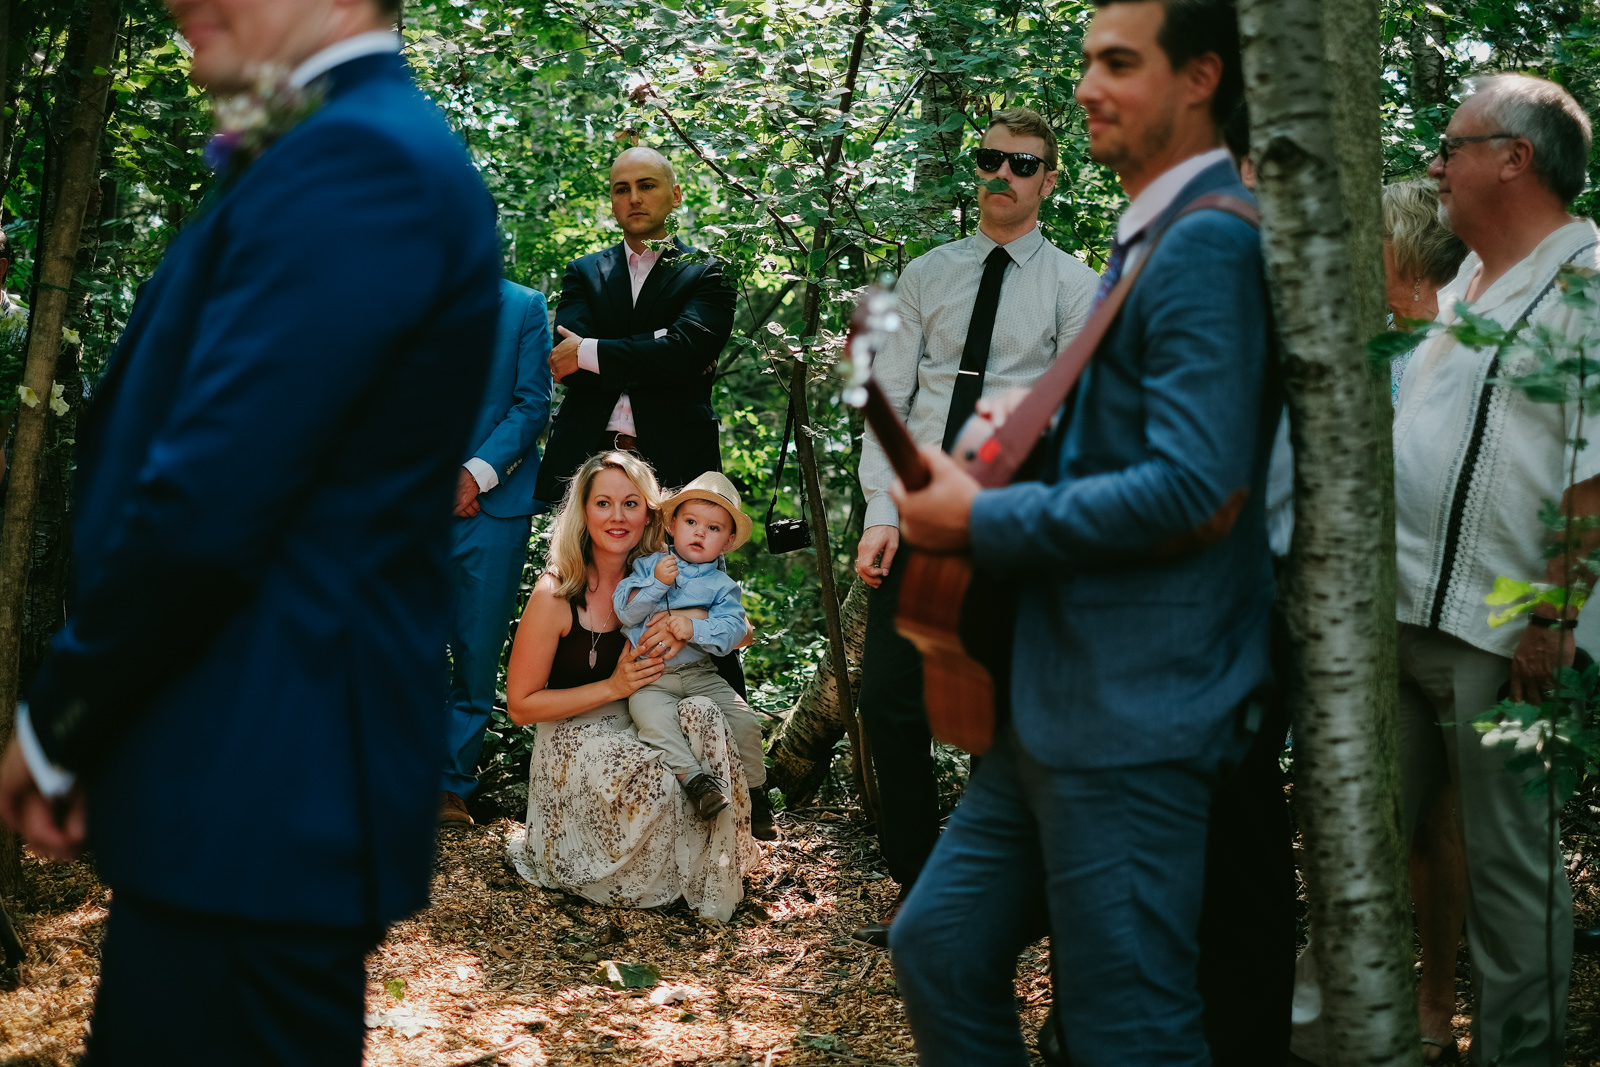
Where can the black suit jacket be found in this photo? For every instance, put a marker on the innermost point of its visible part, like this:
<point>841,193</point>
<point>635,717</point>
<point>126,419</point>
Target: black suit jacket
<point>668,378</point>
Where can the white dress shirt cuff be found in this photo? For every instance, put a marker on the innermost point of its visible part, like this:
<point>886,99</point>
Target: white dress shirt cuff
<point>881,512</point>
<point>52,781</point>
<point>482,473</point>
<point>589,355</point>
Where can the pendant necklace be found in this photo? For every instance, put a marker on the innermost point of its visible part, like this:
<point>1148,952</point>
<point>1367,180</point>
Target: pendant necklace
<point>594,639</point>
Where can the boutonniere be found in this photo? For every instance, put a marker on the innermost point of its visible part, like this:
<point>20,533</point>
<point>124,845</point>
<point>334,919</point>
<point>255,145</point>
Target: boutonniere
<point>247,124</point>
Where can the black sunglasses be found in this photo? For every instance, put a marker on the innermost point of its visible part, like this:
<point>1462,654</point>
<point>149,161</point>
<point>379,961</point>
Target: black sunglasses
<point>1022,164</point>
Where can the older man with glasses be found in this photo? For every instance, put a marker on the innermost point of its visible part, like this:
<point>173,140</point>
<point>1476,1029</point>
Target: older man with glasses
<point>981,315</point>
<point>1474,461</point>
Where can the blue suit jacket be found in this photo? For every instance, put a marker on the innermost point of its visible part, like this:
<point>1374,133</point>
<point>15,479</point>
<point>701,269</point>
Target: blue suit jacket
<point>516,403</point>
<point>249,679</point>
<point>1122,658</point>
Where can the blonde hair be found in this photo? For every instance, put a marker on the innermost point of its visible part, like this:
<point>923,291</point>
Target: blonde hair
<point>1424,247</point>
<point>571,550</point>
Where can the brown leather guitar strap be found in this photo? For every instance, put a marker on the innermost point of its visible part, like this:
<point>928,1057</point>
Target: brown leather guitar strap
<point>997,461</point>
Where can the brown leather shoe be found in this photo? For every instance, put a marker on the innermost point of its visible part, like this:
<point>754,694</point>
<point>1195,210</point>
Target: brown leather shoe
<point>705,795</point>
<point>453,811</point>
<point>877,934</point>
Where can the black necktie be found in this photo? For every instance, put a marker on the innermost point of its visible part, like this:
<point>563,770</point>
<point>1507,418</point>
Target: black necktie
<point>975,355</point>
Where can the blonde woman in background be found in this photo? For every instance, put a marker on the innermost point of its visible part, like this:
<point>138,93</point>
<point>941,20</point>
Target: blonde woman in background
<point>606,818</point>
<point>1420,256</point>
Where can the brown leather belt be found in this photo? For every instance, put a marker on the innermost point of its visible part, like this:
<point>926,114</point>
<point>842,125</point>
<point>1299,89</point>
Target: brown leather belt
<point>624,442</point>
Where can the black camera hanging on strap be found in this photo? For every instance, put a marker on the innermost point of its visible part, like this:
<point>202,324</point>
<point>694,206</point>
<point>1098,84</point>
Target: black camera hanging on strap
<point>785,535</point>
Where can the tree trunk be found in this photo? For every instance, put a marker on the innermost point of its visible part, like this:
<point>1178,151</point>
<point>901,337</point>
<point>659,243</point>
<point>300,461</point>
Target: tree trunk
<point>941,103</point>
<point>802,749</point>
<point>1312,72</point>
<point>79,179</point>
<point>1430,77</point>
<point>816,503</point>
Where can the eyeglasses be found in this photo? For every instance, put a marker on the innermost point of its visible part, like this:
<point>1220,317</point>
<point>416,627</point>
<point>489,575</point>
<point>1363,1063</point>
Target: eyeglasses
<point>1451,144</point>
<point>1022,164</point>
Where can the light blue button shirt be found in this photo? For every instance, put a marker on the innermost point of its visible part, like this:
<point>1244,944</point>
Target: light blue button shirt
<point>699,585</point>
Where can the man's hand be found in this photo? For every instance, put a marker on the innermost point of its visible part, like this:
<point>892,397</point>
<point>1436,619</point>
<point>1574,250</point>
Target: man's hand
<point>55,829</point>
<point>875,553</point>
<point>564,357</point>
<point>937,518</point>
<point>467,495</point>
<point>1533,665</point>
<point>666,571</point>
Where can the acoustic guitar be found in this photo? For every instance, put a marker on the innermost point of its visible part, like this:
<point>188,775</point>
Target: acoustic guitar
<point>963,625</point>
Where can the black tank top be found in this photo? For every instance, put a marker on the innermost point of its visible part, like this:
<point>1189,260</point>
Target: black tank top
<point>571,666</point>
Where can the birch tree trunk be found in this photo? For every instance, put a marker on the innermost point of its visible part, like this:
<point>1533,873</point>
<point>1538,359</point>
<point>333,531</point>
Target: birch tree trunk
<point>80,157</point>
<point>802,749</point>
<point>1312,71</point>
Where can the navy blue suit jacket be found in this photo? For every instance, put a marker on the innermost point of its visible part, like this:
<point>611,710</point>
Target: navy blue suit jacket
<point>1122,658</point>
<point>516,403</point>
<point>668,379</point>
<point>249,679</point>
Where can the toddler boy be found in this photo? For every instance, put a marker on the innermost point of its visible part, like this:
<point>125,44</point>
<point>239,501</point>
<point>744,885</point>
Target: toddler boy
<point>704,521</point>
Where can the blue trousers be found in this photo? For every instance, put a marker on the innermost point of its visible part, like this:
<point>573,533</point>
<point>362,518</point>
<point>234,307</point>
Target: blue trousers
<point>250,994</point>
<point>486,569</point>
<point>1111,862</point>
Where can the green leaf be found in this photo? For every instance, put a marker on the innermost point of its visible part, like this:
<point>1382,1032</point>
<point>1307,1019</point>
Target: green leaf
<point>1392,344</point>
<point>632,54</point>
<point>396,988</point>
<point>1508,591</point>
<point>620,975</point>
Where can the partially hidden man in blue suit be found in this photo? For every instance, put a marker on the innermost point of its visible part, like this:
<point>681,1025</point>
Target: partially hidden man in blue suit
<point>1137,673</point>
<point>494,512</point>
<point>244,705</point>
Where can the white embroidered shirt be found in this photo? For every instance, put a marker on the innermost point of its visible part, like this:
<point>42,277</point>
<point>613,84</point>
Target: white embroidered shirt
<point>1473,463</point>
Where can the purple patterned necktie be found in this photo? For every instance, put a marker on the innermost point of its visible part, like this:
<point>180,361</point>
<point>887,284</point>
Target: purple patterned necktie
<point>1113,274</point>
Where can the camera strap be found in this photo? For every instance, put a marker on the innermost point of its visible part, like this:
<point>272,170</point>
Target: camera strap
<point>783,451</point>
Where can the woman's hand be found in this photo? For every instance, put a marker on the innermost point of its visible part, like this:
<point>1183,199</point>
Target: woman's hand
<point>633,674</point>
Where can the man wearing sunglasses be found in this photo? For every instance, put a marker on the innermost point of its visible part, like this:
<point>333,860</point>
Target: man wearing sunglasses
<point>982,315</point>
<point>1475,461</point>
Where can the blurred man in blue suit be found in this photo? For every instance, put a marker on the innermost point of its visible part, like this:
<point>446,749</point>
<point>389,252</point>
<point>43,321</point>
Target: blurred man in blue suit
<point>1137,673</point>
<point>494,511</point>
<point>243,710</point>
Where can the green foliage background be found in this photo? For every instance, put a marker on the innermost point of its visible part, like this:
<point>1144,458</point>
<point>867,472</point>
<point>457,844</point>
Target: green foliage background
<point>745,96</point>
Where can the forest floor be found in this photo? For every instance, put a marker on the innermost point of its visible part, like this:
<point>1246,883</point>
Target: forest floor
<point>498,972</point>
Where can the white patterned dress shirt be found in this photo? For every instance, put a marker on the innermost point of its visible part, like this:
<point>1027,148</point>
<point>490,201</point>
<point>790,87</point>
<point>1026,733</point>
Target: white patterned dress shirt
<point>1044,302</point>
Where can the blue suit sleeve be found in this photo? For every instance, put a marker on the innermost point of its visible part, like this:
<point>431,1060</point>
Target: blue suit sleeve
<point>515,436</point>
<point>304,312</point>
<point>1201,309</point>
<point>651,593</point>
<point>720,633</point>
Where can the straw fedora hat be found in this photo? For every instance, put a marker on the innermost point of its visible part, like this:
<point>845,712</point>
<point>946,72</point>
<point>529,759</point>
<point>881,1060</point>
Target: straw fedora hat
<point>714,487</point>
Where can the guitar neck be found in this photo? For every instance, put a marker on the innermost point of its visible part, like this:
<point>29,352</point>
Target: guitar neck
<point>895,439</point>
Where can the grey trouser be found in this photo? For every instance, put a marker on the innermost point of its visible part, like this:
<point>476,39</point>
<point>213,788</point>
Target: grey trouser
<point>654,710</point>
<point>1444,684</point>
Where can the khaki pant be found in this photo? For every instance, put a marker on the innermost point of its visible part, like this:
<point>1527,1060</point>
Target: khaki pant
<point>654,710</point>
<point>1444,684</point>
